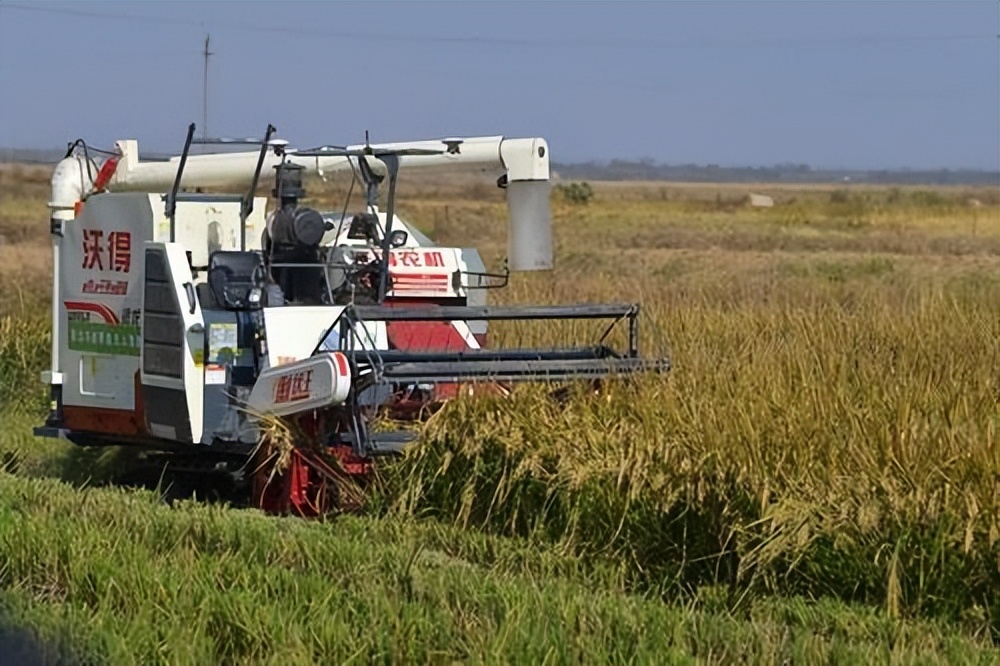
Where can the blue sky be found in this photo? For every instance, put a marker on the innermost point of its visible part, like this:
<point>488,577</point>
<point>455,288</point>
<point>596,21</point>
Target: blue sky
<point>831,84</point>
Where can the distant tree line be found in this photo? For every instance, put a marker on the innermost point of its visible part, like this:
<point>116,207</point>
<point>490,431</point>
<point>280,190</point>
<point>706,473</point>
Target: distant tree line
<point>648,169</point>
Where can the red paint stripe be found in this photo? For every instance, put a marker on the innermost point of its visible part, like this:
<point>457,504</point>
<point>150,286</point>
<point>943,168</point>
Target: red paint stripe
<point>342,368</point>
<point>420,284</point>
<point>109,315</point>
<point>414,274</point>
<point>97,308</point>
<point>425,335</point>
<point>435,285</point>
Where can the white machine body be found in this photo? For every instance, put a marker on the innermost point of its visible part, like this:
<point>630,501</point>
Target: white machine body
<point>101,287</point>
<point>136,355</point>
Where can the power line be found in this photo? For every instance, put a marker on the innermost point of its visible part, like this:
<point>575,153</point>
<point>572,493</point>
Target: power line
<point>92,14</point>
<point>271,29</point>
<point>711,43</point>
<point>204,123</point>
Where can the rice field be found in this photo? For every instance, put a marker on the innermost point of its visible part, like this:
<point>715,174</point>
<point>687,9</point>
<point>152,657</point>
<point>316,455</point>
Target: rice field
<point>816,480</point>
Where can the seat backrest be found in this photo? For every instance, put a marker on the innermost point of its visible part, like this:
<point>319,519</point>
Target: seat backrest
<point>206,296</point>
<point>232,277</point>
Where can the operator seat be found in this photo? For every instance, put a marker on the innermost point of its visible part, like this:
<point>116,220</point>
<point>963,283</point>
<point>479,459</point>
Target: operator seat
<point>236,280</point>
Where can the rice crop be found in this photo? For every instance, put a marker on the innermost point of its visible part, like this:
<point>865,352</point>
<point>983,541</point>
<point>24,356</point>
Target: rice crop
<point>831,450</point>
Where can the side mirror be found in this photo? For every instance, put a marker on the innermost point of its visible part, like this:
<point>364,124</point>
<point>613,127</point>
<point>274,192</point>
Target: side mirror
<point>398,238</point>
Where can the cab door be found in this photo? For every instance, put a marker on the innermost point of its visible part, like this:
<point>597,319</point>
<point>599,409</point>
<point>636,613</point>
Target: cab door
<point>173,346</point>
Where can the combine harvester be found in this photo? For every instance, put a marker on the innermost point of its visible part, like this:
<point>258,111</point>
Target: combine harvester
<point>184,322</point>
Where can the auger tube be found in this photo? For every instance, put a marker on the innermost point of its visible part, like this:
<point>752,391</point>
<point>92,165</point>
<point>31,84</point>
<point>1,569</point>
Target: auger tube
<point>521,159</point>
<point>524,164</point>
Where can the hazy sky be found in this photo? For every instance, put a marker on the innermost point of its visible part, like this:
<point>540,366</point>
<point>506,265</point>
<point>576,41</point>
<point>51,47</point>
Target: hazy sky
<point>852,84</point>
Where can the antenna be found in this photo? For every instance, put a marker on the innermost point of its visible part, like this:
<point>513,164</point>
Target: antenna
<point>204,94</point>
<point>171,198</point>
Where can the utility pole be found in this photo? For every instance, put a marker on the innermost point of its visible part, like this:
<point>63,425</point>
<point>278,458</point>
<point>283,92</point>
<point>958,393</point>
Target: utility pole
<point>204,118</point>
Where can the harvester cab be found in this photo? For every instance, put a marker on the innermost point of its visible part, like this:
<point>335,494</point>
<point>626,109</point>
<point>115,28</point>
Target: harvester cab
<point>185,321</point>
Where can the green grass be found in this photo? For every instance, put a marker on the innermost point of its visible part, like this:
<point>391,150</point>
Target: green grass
<point>25,339</point>
<point>113,576</point>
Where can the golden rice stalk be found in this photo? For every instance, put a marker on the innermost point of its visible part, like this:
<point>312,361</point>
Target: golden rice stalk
<point>278,441</point>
